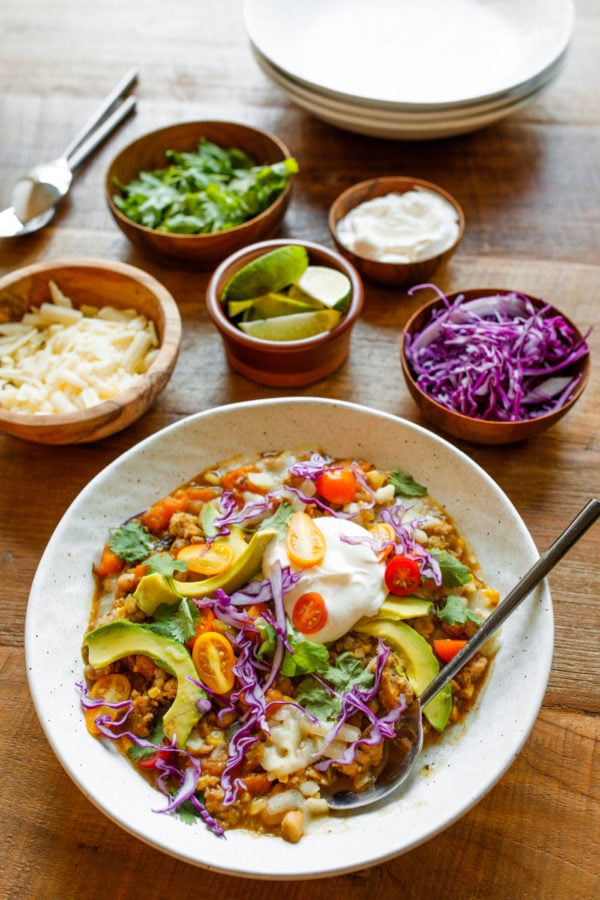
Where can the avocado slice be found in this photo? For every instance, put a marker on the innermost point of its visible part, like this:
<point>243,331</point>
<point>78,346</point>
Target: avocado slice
<point>115,640</point>
<point>404,607</point>
<point>245,566</point>
<point>421,664</point>
<point>156,590</point>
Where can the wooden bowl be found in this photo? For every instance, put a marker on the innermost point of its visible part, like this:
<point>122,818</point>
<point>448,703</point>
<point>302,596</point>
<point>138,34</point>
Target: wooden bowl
<point>196,250</point>
<point>485,431</point>
<point>387,273</point>
<point>285,363</point>
<point>99,283</point>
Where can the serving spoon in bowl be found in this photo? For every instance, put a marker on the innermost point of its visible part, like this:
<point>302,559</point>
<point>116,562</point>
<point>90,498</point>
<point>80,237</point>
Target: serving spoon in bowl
<point>37,193</point>
<point>403,752</point>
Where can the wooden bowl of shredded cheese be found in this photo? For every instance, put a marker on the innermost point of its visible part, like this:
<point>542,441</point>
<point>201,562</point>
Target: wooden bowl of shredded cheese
<point>85,347</point>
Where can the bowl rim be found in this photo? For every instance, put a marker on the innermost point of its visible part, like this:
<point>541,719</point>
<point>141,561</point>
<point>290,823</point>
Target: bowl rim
<point>492,424</point>
<point>215,307</point>
<point>125,221</point>
<point>162,362</point>
<point>404,184</point>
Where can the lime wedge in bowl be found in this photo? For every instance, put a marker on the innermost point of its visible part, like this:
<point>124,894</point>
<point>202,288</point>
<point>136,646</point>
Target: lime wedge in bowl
<point>267,273</point>
<point>294,327</point>
<point>324,285</point>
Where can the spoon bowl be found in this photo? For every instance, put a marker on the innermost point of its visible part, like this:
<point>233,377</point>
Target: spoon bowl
<point>36,194</point>
<point>402,754</point>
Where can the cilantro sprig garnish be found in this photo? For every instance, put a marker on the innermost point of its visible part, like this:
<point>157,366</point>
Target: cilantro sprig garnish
<point>130,542</point>
<point>456,612</point>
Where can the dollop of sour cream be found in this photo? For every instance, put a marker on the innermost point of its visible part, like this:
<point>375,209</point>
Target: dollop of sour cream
<point>400,228</point>
<point>350,578</point>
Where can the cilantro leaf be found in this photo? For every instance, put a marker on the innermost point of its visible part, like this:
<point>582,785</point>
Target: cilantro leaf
<point>405,484</point>
<point>280,518</point>
<point>347,673</point>
<point>454,573</point>
<point>187,812</point>
<point>317,700</point>
<point>306,656</point>
<point>456,612</point>
<point>177,622</point>
<point>163,564</point>
<point>130,542</point>
<point>157,736</point>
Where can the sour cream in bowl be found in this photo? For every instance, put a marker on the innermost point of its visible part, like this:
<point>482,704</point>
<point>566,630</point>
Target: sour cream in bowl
<point>350,579</point>
<point>396,230</point>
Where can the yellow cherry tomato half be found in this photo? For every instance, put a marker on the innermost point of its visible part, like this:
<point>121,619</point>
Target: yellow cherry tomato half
<point>207,559</point>
<point>383,532</point>
<point>214,659</point>
<point>304,541</point>
<point>337,485</point>
<point>113,689</point>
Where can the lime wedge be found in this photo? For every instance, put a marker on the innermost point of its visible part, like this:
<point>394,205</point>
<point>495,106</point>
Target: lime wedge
<point>271,272</point>
<point>271,305</point>
<point>294,327</point>
<point>327,286</point>
<point>235,307</point>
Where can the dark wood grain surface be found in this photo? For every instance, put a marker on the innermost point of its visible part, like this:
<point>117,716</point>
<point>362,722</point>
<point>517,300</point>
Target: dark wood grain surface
<point>530,190</point>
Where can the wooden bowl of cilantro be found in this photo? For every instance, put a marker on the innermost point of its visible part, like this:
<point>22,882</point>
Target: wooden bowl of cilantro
<point>195,192</point>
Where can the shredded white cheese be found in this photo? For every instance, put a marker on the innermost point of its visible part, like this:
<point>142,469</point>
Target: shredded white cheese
<point>60,359</point>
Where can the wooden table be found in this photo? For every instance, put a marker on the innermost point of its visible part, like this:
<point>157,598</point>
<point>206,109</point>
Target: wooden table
<point>529,188</point>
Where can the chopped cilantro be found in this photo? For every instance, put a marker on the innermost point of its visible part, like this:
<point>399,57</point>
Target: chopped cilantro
<point>456,612</point>
<point>454,573</point>
<point>207,190</point>
<point>163,564</point>
<point>405,484</point>
<point>130,542</point>
<point>177,622</point>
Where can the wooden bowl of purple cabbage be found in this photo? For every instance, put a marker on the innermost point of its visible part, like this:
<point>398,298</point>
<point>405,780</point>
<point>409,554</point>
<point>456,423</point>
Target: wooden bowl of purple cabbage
<point>493,366</point>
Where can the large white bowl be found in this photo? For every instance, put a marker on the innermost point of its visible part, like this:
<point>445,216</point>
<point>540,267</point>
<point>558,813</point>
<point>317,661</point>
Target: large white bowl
<point>474,756</point>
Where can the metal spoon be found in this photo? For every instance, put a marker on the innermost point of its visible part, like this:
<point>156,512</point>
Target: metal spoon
<point>403,752</point>
<point>37,193</point>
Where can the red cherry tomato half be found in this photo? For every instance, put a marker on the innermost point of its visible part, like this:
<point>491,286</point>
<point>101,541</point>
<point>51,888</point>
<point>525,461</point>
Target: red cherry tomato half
<point>402,575</point>
<point>447,648</point>
<point>337,485</point>
<point>310,613</point>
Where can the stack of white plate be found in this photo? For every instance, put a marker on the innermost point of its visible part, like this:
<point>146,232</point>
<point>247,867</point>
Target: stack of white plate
<point>410,69</point>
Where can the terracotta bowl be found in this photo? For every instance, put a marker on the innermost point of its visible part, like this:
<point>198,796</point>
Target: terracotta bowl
<point>387,273</point>
<point>483,431</point>
<point>196,250</point>
<point>289,363</point>
<point>99,283</point>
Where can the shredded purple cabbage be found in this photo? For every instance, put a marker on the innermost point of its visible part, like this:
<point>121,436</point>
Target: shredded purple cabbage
<point>496,357</point>
<point>187,777</point>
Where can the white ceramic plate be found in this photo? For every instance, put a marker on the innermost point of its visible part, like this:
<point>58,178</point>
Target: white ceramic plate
<point>474,756</point>
<point>402,126</point>
<point>402,51</point>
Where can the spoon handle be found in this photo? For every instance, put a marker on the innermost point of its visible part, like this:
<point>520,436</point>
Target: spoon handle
<point>530,580</point>
<point>101,113</point>
<point>97,136</point>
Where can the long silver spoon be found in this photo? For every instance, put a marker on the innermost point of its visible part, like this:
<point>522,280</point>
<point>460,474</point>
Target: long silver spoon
<point>404,752</point>
<point>37,193</point>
